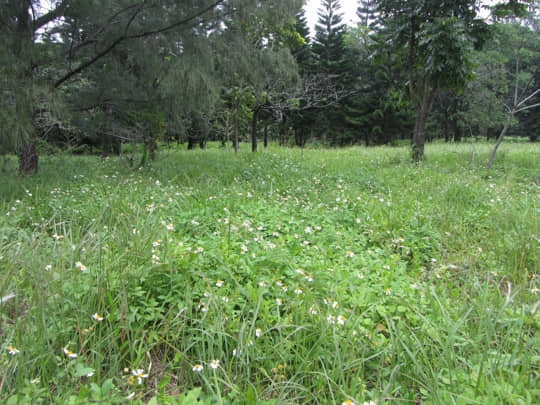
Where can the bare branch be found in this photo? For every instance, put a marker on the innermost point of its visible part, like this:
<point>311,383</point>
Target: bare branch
<point>534,93</point>
<point>528,107</point>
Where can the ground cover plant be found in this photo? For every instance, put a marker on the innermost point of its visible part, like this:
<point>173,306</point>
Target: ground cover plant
<point>282,277</point>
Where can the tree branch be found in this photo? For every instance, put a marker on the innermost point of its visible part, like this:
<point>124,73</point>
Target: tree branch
<point>124,37</point>
<point>528,107</point>
<point>50,16</point>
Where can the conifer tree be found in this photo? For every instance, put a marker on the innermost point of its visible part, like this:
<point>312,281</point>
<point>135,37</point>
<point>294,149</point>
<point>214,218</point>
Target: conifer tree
<point>329,54</point>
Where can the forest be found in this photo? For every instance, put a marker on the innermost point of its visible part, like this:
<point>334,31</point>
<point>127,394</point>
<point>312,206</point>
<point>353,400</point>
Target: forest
<point>94,77</point>
<point>220,202</point>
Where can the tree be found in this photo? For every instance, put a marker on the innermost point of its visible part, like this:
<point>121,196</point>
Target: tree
<point>524,95</point>
<point>329,51</point>
<point>434,41</point>
<point>367,12</point>
<point>154,54</point>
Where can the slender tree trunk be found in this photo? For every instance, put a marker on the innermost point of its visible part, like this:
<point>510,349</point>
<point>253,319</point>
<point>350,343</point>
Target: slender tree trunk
<point>254,130</point>
<point>266,136</point>
<point>28,156</point>
<point>423,107</point>
<point>105,137</point>
<point>226,136</point>
<point>26,151</point>
<point>419,136</point>
<point>152,147</point>
<point>235,140</point>
<point>500,139</point>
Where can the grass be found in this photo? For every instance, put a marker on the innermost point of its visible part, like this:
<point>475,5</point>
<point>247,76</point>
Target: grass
<point>315,276</point>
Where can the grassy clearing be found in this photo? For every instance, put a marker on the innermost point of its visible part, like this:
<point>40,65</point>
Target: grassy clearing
<point>283,276</point>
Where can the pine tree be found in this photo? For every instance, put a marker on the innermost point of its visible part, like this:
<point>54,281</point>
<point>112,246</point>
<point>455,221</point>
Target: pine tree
<point>328,46</point>
<point>329,54</point>
<point>367,12</point>
<point>303,54</point>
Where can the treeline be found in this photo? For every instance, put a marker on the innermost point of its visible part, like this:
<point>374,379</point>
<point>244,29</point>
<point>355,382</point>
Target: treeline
<point>101,74</point>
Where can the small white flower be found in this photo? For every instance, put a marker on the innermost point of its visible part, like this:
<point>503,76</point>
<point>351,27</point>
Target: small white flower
<point>80,266</point>
<point>198,368</point>
<point>388,291</point>
<point>262,283</point>
<point>170,227</point>
<point>69,354</point>
<point>341,320</point>
<point>331,319</point>
<point>298,291</point>
<point>219,283</point>
<point>279,302</point>
<point>313,310</point>
<point>350,254</point>
<point>258,332</point>
<point>535,290</point>
<point>335,305</point>
<point>97,317</point>
<point>48,267</point>
<point>34,381</point>
<point>214,364</point>
<point>12,351</point>
<point>130,396</point>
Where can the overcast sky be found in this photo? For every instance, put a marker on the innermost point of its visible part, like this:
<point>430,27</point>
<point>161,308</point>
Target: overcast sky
<point>348,8</point>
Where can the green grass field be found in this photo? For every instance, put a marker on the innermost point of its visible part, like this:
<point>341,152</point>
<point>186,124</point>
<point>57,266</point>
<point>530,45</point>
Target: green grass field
<point>282,277</point>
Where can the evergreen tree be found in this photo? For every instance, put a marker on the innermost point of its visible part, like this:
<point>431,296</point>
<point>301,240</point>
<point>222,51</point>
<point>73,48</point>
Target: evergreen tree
<point>303,53</point>
<point>329,52</point>
<point>328,45</point>
<point>367,12</point>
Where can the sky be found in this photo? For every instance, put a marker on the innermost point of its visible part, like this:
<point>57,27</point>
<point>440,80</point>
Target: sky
<point>348,8</point>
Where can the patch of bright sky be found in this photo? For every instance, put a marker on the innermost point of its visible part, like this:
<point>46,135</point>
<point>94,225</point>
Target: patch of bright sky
<point>348,9</point>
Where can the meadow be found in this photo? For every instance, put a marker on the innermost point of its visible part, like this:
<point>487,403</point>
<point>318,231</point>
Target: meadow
<point>346,276</point>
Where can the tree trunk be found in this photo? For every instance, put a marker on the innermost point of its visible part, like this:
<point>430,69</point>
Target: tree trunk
<point>226,135</point>
<point>28,156</point>
<point>423,107</point>
<point>254,130</point>
<point>419,136</point>
<point>105,135</point>
<point>500,139</point>
<point>266,136</point>
<point>191,143</point>
<point>153,147</point>
<point>235,140</point>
